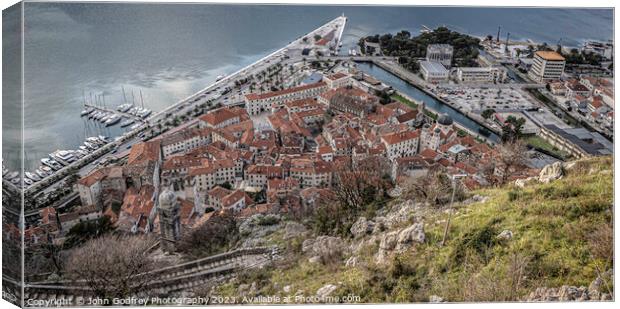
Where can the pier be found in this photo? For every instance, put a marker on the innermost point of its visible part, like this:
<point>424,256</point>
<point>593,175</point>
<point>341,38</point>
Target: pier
<point>116,112</point>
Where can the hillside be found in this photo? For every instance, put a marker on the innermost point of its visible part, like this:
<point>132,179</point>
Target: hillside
<point>503,244</point>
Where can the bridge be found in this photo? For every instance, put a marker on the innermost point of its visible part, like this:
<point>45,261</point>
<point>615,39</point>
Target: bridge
<point>162,281</point>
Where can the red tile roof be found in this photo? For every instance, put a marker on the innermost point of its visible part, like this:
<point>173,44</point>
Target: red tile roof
<point>256,96</point>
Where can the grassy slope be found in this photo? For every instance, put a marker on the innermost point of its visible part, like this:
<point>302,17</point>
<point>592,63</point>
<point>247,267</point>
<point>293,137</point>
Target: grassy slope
<point>551,247</point>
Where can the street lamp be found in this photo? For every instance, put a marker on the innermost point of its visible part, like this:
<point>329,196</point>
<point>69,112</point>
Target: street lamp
<point>445,232</point>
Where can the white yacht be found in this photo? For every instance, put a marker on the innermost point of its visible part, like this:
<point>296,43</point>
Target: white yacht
<point>64,156</point>
<point>145,113</point>
<point>127,123</point>
<point>32,176</point>
<point>46,169</point>
<point>41,173</point>
<point>114,119</point>
<point>86,111</point>
<point>51,163</point>
<point>12,175</point>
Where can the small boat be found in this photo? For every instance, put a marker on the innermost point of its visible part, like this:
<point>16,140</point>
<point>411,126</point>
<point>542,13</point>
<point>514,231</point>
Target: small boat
<point>33,177</point>
<point>106,117</point>
<point>145,114</point>
<point>51,163</point>
<point>12,175</point>
<point>91,146</point>
<point>41,173</point>
<point>86,112</point>
<point>127,123</point>
<point>124,107</point>
<point>219,78</point>
<point>114,119</point>
<point>28,181</point>
<point>104,139</point>
<point>46,169</point>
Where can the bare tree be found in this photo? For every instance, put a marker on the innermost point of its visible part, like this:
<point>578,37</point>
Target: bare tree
<point>355,187</point>
<point>216,235</point>
<point>113,266</point>
<point>435,187</point>
<point>512,157</point>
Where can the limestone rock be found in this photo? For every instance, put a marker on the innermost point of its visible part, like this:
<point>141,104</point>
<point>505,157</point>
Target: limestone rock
<point>399,241</point>
<point>351,262</point>
<point>306,246</point>
<point>326,290</point>
<point>328,246</point>
<point>571,293</point>
<point>362,227</point>
<point>435,299</point>
<point>400,213</point>
<point>551,172</point>
<point>294,229</point>
<point>314,259</point>
<point>522,182</point>
<point>505,235</point>
<point>410,235</point>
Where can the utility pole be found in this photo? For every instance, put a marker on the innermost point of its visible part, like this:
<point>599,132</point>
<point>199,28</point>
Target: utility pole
<point>445,232</point>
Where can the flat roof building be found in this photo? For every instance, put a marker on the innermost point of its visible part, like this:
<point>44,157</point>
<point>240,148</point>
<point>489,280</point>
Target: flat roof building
<point>481,75</point>
<point>441,53</point>
<point>547,66</point>
<point>433,72</point>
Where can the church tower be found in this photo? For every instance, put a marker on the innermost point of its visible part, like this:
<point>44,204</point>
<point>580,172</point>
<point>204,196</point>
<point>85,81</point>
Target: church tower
<point>169,220</point>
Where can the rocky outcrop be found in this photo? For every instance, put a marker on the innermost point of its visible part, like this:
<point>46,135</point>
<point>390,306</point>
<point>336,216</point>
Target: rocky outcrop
<point>595,292</point>
<point>551,172</point>
<point>399,241</point>
<point>522,182</point>
<point>362,227</point>
<point>327,248</point>
<point>325,291</point>
<point>294,229</point>
<point>352,262</point>
<point>399,213</point>
<point>435,299</point>
<point>505,235</point>
<point>257,227</point>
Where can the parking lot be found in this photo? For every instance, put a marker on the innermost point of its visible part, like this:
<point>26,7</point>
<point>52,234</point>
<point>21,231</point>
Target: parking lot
<point>473,99</point>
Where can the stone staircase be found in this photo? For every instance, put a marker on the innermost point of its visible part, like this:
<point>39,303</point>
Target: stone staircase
<point>165,280</point>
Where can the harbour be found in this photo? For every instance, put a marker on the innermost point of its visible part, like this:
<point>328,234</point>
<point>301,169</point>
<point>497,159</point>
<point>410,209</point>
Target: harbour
<point>166,75</point>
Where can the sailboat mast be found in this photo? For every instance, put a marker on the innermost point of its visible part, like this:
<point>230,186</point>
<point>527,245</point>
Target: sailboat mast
<point>124,96</point>
<point>141,99</point>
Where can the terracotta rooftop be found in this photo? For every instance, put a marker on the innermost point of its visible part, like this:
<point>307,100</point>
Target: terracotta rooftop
<point>223,114</point>
<point>399,137</point>
<point>256,96</point>
<point>550,55</point>
<point>147,151</point>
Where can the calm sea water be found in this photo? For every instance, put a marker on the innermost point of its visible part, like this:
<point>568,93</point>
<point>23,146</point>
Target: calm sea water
<point>169,51</point>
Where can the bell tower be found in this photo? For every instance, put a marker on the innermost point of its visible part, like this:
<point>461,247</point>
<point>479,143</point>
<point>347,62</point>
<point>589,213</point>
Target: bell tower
<point>169,220</point>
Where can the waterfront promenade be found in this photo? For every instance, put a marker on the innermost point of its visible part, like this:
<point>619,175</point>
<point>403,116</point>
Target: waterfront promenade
<point>211,93</point>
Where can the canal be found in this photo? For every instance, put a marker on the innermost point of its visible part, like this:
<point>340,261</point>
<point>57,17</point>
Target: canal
<point>419,95</point>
